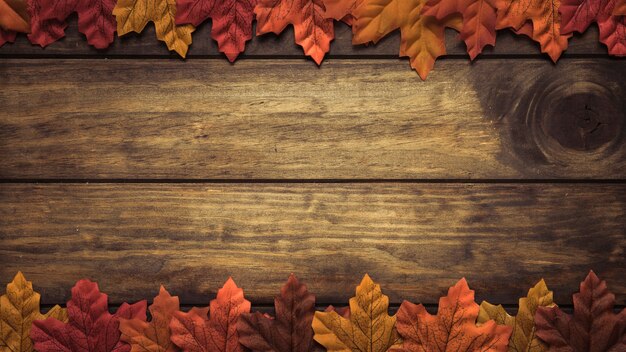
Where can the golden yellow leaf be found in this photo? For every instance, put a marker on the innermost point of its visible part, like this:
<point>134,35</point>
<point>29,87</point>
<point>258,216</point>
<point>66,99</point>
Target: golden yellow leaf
<point>134,15</point>
<point>369,327</point>
<point>523,324</point>
<point>19,307</point>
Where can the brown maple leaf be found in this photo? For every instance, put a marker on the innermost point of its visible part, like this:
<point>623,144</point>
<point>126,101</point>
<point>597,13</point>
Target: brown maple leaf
<point>594,327</point>
<point>542,21</point>
<point>14,16</point>
<point>367,327</point>
<point>421,37</point>
<point>453,328</point>
<point>620,8</point>
<point>195,332</point>
<point>153,336</point>
<point>312,29</point>
<point>290,331</point>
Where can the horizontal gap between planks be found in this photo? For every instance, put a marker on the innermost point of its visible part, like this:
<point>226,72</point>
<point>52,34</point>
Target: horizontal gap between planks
<point>312,181</point>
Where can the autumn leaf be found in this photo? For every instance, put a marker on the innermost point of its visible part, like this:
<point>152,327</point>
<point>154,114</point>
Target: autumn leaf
<point>341,10</point>
<point>290,331</point>
<point>14,16</point>
<point>453,328</point>
<point>524,337</point>
<point>152,336</point>
<point>312,30</point>
<point>620,8</point>
<point>369,328</point>
<point>577,15</point>
<point>594,327</point>
<point>7,37</point>
<point>49,20</point>
<point>90,326</point>
<point>134,15</point>
<point>19,307</point>
<point>421,37</point>
<point>232,21</point>
<point>194,332</point>
<point>479,21</point>
<point>544,17</point>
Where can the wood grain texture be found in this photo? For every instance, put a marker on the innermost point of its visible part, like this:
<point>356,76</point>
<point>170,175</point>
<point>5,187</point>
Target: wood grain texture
<point>285,119</point>
<point>415,239</point>
<point>146,44</point>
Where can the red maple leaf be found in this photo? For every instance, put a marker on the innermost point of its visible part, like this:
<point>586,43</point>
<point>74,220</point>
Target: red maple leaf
<point>194,332</point>
<point>312,29</point>
<point>453,328</point>
<point>577,15</point>
<point>95,20</point>
<point>91,328</point>
<point>290,331</point>
<point>594,327</point>
<point>232,21</point>
<point>7,37</point>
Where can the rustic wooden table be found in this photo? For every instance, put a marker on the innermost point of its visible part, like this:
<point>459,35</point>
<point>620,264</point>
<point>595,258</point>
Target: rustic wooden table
<point>135,168</point>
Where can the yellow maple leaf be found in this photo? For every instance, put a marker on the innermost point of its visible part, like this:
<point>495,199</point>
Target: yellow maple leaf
<point>421,37</point>
<point>369,327</point>
<point>134,15</point>
<point>19,307</point>
<point>523,324</point>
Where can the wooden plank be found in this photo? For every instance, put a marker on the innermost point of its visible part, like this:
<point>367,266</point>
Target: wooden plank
<point>352,119</point>
<point>415,239</point>
<point>146,44</point>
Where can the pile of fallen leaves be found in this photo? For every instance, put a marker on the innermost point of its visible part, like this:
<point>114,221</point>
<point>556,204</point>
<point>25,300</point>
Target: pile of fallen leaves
<point>421,22</point>
<point>227,324</point>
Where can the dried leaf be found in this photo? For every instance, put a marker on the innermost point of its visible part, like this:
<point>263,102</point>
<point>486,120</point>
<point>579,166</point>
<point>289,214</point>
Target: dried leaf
<point>7,37</point>
<point>312,30</point>
<point>19,307</point>
<point>14,16</point>
<point>453,328</point>
<point>90,326</point>
<point>134,15</point>
<point>594,327</point>
<point>232,21</point>
<point>479,21</point>
<point>369,327</point>
<point>152,336</point>
<point>422,37</point>
<point>620,8</point>
<point>290,331</point>
<point>523,324</point>
<point>577,15</point>
<point>544,17</point>
<point>49,20</point>
<point>194,332</point>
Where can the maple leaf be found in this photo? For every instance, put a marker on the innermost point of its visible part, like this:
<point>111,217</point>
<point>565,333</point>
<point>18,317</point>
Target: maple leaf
<point>153,335</point>
<point>479,21</point>
<point>312,30</point>
<point>14,16</point>
<point>290,331</point>
<point>594,327</point>
<point>544,17</point>
<point>19,307</point>
<point>577,15</point>
<point>232,21</point>
<point>620,8</point>
<point>49,20</point>
<point>194,332</point>
<point>368,327</point>
<point>341,10</point>
<point>421,37</point>
<point>7,37</point>
<point>453,328</point>
<point>524,337</point>
<point>90,326</point>
<point>134,15</point>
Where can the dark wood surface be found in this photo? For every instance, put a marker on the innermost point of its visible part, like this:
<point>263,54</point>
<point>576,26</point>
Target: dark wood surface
<point>148,169</point>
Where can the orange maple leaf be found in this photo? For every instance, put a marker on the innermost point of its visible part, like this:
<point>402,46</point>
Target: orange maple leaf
<point>341,10</point>
<point>538,19</point>
<point>479,21</point>
<point>313,30</point>
<point>620,8</point>
<point>153,335</point>
<point>422,37</point>
<point>453,328</point>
